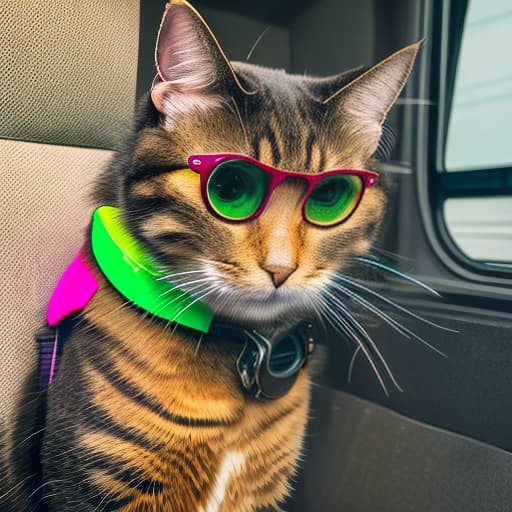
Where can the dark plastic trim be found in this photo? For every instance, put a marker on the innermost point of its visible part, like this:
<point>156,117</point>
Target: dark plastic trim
<point>489,182</point>
<point>363,458</point>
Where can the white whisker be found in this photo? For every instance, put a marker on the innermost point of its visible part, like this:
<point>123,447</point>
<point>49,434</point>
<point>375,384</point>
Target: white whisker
<point>198,344</point>
<point>404,331</point>
<point>366,335</point>
<point>170,276</point>
<point>352,362</point>
<point>194,302</point>
<point>342,325</point>
<point>390,302</point>
<point>397,273</point>
<point>257,42</point>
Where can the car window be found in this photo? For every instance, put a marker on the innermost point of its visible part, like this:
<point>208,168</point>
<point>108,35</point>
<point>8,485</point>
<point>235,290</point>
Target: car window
<point>478,199</point>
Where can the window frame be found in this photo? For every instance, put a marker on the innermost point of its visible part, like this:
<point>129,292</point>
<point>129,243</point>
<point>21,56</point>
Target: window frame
<point>443,21</point>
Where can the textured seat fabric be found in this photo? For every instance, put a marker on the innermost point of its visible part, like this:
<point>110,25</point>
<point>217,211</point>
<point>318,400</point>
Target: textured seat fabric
<point>44,209</point>
<point>68,70</point>
<point>68,75</point>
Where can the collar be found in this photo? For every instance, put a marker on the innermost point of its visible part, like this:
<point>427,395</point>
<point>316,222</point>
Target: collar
<point>130,271</point>
<point>267,367</point>
<point>136,276</point>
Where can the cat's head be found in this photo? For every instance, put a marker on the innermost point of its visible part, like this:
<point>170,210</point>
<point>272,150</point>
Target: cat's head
<point>276,265</point>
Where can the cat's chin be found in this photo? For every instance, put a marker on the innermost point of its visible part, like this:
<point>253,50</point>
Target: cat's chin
<point>265,309</point>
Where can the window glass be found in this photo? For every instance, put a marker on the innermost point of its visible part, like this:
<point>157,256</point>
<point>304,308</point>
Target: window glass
<point>480,124</point>
<point>481,227</point>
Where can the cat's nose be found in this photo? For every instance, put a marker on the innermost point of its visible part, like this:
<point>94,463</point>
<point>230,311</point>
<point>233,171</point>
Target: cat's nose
<point>279,273</point>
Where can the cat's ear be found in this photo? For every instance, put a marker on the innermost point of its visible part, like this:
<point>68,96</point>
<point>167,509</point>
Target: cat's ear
<point>325,87</point>
<point>193,71</point>
<point>365,101</point>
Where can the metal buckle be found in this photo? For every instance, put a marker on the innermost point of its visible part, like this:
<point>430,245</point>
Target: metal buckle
<point>269,368</point>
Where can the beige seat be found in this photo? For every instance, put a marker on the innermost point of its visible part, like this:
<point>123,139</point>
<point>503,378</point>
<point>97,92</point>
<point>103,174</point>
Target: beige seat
<point>68,73</point>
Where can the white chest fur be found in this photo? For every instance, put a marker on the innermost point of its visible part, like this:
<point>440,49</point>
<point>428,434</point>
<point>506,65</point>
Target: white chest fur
<point>231,464</point>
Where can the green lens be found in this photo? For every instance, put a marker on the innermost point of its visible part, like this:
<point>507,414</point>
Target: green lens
<point>333,199</point>
<point>236,189</point>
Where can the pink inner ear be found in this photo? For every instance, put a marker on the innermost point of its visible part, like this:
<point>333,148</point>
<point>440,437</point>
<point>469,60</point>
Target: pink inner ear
<point>73,292</point>
<point>168,40</point>
<point>183,58</point>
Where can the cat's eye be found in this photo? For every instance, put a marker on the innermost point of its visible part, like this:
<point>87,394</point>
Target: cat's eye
<point>333,199</point>
<point>236,189</point>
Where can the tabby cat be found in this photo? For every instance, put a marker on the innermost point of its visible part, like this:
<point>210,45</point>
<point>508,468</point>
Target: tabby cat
<point>143,416</point>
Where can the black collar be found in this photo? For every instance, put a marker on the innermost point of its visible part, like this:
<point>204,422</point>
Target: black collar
<point>267,366</point>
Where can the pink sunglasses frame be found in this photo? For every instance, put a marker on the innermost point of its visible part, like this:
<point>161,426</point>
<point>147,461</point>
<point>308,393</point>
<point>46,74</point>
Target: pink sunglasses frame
<point>206,164</point>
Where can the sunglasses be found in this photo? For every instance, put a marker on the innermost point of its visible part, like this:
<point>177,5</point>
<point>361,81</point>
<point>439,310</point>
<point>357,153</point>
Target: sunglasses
<point>237,188</point>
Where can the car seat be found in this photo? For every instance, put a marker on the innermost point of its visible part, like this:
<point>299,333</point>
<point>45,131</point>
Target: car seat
<point>67,91</point>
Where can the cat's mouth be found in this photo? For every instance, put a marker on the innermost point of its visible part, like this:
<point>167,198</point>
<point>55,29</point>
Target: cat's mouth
<point>250,299</point>
<point>262,306</point>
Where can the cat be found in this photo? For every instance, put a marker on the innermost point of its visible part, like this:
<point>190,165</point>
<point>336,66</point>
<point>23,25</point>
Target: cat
<point>146,416</point>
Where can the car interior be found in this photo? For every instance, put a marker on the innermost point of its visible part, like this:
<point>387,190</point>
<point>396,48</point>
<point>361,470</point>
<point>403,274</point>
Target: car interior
<point>438,435</point>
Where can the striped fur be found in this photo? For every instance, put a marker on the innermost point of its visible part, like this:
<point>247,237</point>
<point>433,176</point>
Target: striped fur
<point>142,417</point>
<point>142,421</point>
